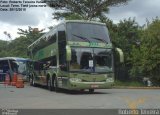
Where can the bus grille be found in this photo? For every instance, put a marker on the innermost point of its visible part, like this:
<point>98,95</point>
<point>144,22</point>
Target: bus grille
<point>93,81</point>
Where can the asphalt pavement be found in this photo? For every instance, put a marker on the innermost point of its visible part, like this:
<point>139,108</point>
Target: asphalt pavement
<point>40,98</point>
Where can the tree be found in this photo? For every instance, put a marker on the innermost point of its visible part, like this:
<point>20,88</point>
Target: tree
<point>18,46</point>
<point>3,48</point>
<point>146,59</point>
<point>31,34</point>
<point>124,35</point>
<point>27,37</point>
<point>8,35</point>
<point>86,9</point>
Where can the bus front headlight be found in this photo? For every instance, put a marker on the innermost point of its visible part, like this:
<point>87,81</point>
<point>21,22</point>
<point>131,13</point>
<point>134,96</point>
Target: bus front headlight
<point>75,80</point>
<point>109,80</point>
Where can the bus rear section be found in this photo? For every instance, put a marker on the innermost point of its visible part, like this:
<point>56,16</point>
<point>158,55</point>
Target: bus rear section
<point>11,65</point>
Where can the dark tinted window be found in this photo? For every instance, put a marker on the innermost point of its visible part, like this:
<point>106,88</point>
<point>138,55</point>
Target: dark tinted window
<point>4,66</point>
<point>49,62</point>
<point>91,60</point>
<point>62,47</point>
<point>14,65</point>
<point>87,32</point>
<point>45,42</point>
<point>38,66</point>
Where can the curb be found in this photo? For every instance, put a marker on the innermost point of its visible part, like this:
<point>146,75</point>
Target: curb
<point>114,87</point>
<point>125,87</point>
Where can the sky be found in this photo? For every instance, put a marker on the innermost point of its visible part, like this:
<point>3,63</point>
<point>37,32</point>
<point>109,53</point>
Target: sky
<point>42,18</point>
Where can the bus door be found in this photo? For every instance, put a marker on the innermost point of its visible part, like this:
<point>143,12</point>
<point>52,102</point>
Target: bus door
<point>39,72</point>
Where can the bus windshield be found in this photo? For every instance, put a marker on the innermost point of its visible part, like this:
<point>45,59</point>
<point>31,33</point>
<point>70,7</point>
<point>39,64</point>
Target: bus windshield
<point>19,66</point>
<point>91,60</point>
<point>87,32</point>
<point>22,66</point>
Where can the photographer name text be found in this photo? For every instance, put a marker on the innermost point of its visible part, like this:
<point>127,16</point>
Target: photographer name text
<point>20,5</point>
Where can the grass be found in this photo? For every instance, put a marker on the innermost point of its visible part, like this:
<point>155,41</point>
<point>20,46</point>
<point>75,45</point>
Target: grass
<point>129,83</point>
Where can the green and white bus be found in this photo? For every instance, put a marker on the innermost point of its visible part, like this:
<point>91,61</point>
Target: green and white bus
<point>74,55</point>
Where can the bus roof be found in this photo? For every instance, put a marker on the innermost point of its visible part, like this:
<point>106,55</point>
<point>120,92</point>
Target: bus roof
<point>13,58</point>
<point>83,21</point>
<point>64,22</point>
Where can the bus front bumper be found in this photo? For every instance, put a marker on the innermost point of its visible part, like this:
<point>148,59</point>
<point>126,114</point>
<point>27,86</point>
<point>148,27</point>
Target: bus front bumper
<point>90,85</point>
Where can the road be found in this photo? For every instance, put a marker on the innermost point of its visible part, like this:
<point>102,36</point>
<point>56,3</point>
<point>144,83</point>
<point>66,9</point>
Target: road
<point>40,98</point>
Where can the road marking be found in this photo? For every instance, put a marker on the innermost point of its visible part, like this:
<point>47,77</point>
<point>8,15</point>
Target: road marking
<point>133,104</point>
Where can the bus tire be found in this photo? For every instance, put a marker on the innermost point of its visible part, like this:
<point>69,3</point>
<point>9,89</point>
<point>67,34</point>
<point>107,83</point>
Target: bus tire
<point>30,81</point>
<point>49,84</point>
<point>91,90</point>
<point>33,82</point>
<point>53,83</point>
<point>56,85</point>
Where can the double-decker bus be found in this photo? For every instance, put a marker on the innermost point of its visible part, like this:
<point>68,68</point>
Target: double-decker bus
<point>74,55</point>
<point>13,65</point>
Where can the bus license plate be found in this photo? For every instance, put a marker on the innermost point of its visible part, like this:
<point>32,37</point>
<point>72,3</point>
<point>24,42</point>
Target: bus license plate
<point>94,86</point>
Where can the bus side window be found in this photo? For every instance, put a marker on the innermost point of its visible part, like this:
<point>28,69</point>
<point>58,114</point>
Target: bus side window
<point>61,36</point>
<point>49,62</point>
<point>1,67</point>
<point>14,66</point>
<point>36,65</point>
<point>62,50</point>
<point>52,39</point>
<point>5,66</point>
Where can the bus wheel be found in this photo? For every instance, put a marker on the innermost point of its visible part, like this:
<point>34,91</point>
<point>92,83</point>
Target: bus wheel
<point>82,90</point>
<point>49,84</point>
<point>56,89</point>
<point>31,81</point>
<point>54,83</point>
<point>91,90</point>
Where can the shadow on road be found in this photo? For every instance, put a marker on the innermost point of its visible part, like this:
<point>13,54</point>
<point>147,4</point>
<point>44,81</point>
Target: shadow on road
<point>74,92</point>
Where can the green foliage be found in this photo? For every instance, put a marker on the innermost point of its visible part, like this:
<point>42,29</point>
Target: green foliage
<point>141,47</point>
<point>86,9</point>
<point>129,83</point>
<point>73,17</point>
<point>31,34</point>
<point>126,36</point>
<point>3,48</point>
<point>18,47</point>
<point>146,59</point>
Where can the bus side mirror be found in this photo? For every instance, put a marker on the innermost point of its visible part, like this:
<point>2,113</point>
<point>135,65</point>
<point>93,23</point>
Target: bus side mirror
<point>68,53</point>
<point>121,55</point>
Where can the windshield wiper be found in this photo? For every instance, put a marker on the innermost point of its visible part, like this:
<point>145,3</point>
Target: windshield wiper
<point>83,38</point>
<point>99,39</point>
